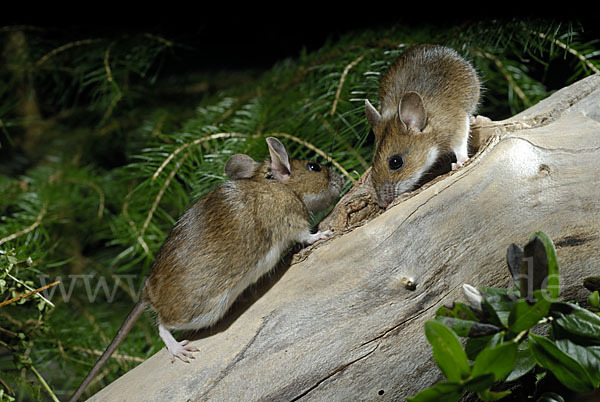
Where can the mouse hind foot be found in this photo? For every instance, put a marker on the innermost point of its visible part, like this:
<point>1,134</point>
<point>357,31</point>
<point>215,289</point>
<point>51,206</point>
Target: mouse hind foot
<point>178,349</point>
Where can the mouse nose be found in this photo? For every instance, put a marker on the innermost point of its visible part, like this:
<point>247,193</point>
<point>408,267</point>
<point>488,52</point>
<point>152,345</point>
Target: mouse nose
<point>384,203</point>
<point>386,194</point>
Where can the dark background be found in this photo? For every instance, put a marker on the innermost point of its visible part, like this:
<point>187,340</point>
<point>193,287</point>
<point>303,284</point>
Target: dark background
<point>230,36</point>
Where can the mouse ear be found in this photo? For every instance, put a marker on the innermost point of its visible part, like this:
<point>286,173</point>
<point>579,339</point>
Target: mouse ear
<point>280,162</point>
<point>373,116</point>
<point>240,166</point>
<point>412,112</point>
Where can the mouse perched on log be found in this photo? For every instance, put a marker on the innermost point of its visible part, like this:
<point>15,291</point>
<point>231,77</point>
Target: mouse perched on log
<point>427,99</point>
<point>226,241</point>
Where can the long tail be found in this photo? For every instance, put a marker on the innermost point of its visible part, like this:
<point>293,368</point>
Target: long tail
<point>135,313</point>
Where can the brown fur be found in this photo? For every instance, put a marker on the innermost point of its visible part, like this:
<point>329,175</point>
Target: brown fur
<point>210,249</point>
<point>218,241</point>
<point>226,241</point>
<point>449,89</point>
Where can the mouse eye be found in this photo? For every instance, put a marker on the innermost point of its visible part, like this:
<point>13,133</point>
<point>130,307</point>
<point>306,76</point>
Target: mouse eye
<point>396,162</point>
<point>312,166</point>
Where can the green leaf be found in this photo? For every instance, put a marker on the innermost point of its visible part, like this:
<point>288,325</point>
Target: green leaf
<point>566,369</point>
<point>474,346</point>
<point>459,317</point>
<point>514,257</point>
<point>594,299</point>
<point>498,308</point>
<point>442,391</point>
<point>479,383</point>
<point>588,357</point>
<point>460,327</point>
<point>487,395</point>
<point>576,320</point>
<point>498,361</point>
<point>525,315</point>
<point>524,364</point>
<point>553,282</point>
<point>447,351</point>
<point>497,304</point>
<point>469,328</point>
<point>458,310</point>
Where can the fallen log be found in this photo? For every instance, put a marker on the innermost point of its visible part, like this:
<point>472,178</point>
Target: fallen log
<point>345,320</point>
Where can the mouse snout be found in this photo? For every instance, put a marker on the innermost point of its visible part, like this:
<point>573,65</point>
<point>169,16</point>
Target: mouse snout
<point>335,181</point>
<point>386,194</point>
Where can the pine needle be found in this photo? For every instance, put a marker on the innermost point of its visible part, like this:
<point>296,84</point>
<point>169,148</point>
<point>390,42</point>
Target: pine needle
<point>570,50</point>
<point>64,48</point>
<point>193,143</point>
<point>28,229</point>
<point>341,84</point>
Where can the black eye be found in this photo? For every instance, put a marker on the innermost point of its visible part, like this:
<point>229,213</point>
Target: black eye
<point>396,162</point>
<point>315,167</point>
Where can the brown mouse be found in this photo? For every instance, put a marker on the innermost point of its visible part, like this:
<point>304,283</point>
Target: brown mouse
<point>427,99</point>
<point>226,241</point>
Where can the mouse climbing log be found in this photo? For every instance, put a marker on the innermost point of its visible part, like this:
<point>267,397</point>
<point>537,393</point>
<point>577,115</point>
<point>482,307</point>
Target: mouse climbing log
<point>341,324</point>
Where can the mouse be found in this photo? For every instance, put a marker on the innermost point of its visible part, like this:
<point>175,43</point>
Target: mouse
<point>226,241</point>
<point>427,100</point>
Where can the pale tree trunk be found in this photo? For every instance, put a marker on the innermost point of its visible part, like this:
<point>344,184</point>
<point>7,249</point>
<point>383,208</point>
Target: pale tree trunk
<point>341,322</point>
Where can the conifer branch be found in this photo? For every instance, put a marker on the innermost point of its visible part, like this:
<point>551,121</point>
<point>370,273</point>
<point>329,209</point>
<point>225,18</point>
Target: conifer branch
<point>6,387</point>
<point>113,103</point>
<point>107,64</point>
<point>92,320</point>
<point>341,84</point>
<point>158,127</point>
<point>109,78</point>
<point>195,142</point>
<point>44,384</point>
<point>32,227</point>
<point>160,39</point>
<point>568,49</point>
<point>63,48</point>
<point>349,147</point>
<point>520,93</point>
<point>97,189</point>
<point>160,194</point>
<point>31,367</point>
<point>131,223</point>
<point>116,356</point>
<point>25,295</point>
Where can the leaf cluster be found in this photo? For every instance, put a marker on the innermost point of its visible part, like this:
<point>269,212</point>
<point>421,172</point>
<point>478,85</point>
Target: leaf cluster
<point>511,333</point>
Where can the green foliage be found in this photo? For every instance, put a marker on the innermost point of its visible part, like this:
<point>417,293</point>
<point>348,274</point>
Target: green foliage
<point>102,149</point>
<point>515,346</point>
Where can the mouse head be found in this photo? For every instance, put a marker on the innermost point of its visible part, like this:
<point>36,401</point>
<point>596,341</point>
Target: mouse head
<point>315,184</point>
<point>404,151</point>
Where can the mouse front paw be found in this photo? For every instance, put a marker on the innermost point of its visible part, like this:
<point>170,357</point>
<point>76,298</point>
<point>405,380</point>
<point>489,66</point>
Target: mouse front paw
<point>479,120</point>
<point>319,236</point>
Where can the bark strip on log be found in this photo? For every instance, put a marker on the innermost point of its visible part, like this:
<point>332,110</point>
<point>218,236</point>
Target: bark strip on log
<point>340,324</point>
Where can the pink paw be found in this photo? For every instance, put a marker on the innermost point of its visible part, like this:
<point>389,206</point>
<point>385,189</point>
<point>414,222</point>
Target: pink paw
<point>319,236</point>
<point>479,120</point>
<point>182,350</point>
